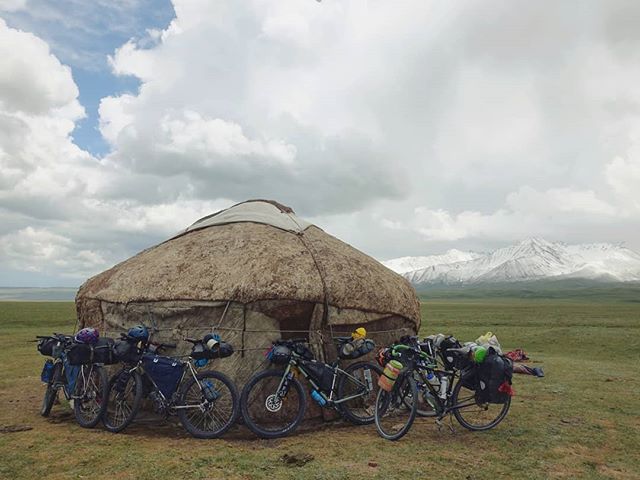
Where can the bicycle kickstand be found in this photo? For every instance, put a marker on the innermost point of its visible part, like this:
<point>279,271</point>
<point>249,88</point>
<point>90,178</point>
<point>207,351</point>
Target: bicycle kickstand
<point>441,424</point>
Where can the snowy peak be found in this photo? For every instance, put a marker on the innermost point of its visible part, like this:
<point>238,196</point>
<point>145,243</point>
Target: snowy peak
<point>530,259</point>
<point>409,264</point>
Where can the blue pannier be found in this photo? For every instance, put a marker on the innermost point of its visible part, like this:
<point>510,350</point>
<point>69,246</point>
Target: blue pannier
<point>165,372</point>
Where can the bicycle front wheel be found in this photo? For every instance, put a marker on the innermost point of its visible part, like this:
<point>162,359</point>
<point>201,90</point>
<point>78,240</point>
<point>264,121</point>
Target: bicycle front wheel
<point>209,406</point>
<point>269,409</point>
<point>476,416</point>
<point>361,383</point>
<point>395,410</point>
<point>123,400</point>
<point>90,396</point>
<point>51,393</point>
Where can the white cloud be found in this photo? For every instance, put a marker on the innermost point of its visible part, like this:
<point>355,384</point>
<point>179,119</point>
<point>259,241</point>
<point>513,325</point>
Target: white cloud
<point>12,5</point>
<point>401,128</point>
<point>40,250</point>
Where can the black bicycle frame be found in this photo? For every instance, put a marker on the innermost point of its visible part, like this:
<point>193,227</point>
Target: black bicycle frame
<point>336,370</point>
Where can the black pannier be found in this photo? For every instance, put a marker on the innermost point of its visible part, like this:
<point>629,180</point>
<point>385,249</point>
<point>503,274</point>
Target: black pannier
<point>100,352</point>
<point>279,354</point>
<point>103,351</point>
<point>355,348</point>
<point>219,350</point>
<point>492,373</point>
<point>321,374</point>
<point>79,354</point>
<point>165,372</point>
<point>126,351</point>
<point>469,377</point>
<point>46,346</point>
<point>450,360</point>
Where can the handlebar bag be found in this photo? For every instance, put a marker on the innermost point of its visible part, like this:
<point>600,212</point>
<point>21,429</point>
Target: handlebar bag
<point>165,372</point>
<point>126,351</point>
<point>80,354</point>
<point>46,346</point>
<point>356,348</point>
<point>103,351</point>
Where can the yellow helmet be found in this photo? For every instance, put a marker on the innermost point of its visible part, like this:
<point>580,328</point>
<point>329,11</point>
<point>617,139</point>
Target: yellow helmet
<point>359,332</point>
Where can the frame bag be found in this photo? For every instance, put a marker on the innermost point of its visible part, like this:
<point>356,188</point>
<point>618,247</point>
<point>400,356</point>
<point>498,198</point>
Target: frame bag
<point>320,373</point>
<point>165,372</point>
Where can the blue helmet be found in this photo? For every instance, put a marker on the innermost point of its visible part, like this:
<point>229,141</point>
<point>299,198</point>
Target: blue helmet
<point>139,333</point>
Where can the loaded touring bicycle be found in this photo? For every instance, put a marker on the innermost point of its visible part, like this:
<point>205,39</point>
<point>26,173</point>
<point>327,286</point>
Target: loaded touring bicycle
<point>273,401</point>
<point>421,379</point>
<point>206,402</point>
<point>76,369</point>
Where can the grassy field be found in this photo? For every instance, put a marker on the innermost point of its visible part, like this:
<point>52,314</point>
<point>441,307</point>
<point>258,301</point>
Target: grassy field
<point>580,421</point>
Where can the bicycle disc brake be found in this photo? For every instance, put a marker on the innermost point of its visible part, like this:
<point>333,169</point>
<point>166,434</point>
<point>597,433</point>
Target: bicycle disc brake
<point>273,403</point>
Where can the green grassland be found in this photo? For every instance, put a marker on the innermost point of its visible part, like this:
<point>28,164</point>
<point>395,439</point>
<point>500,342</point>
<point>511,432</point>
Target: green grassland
<point>580,421</point>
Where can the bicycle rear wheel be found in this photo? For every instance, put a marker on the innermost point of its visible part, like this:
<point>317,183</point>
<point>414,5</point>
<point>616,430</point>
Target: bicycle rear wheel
<point>395,410</point>
<point>474,416</point>
<point>208,407</point>
<point>364,387</point>
<point>270,413</point>
<point>90,396</point>
<point>123,400</point>
<point>51,393</point>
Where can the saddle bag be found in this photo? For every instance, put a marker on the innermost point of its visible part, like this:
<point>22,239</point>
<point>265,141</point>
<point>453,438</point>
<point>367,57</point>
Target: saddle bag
<point>355,348</point>
<point>219,350</point>
<point>165,372</point>
<point>279,354</point>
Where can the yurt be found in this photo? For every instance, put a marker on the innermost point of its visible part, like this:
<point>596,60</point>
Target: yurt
<point>253,273</point>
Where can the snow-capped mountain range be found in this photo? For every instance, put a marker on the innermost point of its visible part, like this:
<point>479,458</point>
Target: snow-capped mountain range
<point>531,259</point>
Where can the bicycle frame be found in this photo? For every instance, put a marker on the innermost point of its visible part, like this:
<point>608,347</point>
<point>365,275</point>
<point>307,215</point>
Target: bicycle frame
<point>427,363</point>
<point>294,363</point>
<point>188,367</point>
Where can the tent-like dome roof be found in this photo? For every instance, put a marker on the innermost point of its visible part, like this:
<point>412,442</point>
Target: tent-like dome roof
<point>256,250</point>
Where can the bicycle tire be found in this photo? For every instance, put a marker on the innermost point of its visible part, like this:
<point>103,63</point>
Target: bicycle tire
<point>222,382</point>
<point>82,396</point>
<point>52,390</point>
<point>395,423</point>
<point>474,427</point>
<point>116,400</point>
<point>257,416</point>
<point>350,408</point>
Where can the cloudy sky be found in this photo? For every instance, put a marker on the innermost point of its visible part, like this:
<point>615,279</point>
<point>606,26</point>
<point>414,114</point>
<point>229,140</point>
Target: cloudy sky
<point>404,128</point>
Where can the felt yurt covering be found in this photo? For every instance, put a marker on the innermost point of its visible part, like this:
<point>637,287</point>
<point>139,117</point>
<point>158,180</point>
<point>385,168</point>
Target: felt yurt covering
<point>254,273</point>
